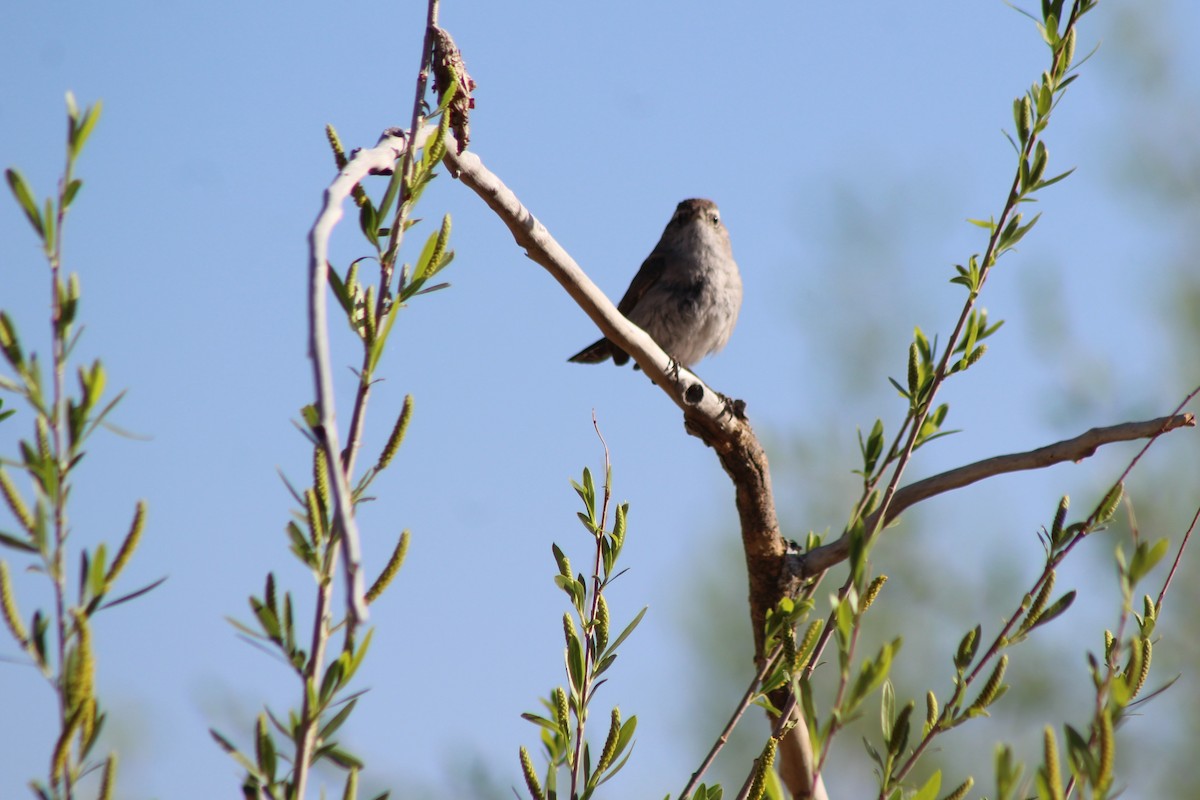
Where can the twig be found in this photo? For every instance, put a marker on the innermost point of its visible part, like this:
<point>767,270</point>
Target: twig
<point>589,654</point>
<point>1175,564</point>
<point>743,704</point>
<point>1076,449</point>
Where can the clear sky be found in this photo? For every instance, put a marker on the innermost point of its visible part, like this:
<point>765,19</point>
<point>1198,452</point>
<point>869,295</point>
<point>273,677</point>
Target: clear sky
<point>845,144</point>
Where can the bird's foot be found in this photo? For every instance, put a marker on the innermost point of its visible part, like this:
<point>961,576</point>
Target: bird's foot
<point>733,407</point>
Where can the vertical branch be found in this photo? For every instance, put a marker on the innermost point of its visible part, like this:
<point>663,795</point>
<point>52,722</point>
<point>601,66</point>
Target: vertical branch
<point>589,652</point>
<point>327,433</point>
<point>406,163</point>
<point>55,424</point>
<point>62,423</point>
<point>339,463</point>
<point>387,261</point>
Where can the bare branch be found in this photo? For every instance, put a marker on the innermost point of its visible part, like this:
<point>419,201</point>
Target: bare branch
<point>709,416</point>
<point>1187,535</point>
<point>822,558</point>
<point>380,159</point>
<point>683,387</point>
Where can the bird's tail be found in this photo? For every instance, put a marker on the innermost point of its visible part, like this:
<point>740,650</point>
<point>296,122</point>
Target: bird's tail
<point>593,353</point>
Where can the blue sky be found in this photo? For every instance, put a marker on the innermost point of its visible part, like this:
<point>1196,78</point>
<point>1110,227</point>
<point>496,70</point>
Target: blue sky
<point>845,144</point>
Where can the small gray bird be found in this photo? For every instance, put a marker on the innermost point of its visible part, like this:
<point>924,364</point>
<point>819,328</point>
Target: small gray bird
<point>688,292</point>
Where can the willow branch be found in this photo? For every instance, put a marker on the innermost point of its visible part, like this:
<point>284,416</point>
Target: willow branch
<point>1076,449</point>
<point>682,386</point>
<point>707,415</point>
<point>377,160</point>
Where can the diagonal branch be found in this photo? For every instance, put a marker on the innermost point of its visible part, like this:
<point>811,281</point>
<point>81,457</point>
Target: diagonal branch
<point>682,386</point>
<point>707,415</point>
<point>1086,444</point>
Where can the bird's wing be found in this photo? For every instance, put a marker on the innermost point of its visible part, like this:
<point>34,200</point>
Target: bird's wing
<point>649,274</point>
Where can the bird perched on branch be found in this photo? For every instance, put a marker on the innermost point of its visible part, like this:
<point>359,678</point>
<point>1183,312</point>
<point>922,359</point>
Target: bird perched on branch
<point>688,292</point>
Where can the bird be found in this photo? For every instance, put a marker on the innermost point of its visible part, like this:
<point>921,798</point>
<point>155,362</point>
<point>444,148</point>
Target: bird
<point>686,295</point>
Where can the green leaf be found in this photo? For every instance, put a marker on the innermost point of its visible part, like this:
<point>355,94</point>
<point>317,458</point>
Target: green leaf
<point>587,492</point>
<point>125,598</point>
<point>301,546</point>
<point>898,739</point>
<point>541,722</point>
<point>887,709</point>
<point>83,130</point>
<point>24,197</point>
<point>1054,180</point>
<point>1008,772</point>
<point>603,664</point>
<point>340,757</point>
<point>339,289</point>
<point>97,571</point>
<point>72,189</point>
<point>1108,507</point>
<point>433,255</point>
<point>967,648</point>
<point>16,543</point>
<point>574,589</point>
<point>264,750</point>
<point>1019,231</point>
<point>929,791</point>
<point>354,661</point>
<point>389,194</point>
<point>330,727</point>
<point>560,558</point>
<point>1145,557</point>
<point>1055,609</point>
<point>312,417</point>
<point>619,526</point>
<point>229,748</point>
<point>381,337</point>
<point>874,446</point>
<point>332,681</point>
<point>628,630</point>
<point>49,223</point>
<point>437,287</point>
<point>628,728</point>
<point>1023,116</point>
<point>575,667</point>
<point>267,619</point>
<point>872,674</point>
<point>368,222</point>
<point>914,369</point>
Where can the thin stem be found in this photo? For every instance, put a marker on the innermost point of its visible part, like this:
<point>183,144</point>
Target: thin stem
<point>1175,564</point>
<point>740,710</point>
<point>387,257</point>
<point>589,653</point>
<point>56,425</point>
<point>835,725</point>
<point>407,161</point>
<point>309,717</point>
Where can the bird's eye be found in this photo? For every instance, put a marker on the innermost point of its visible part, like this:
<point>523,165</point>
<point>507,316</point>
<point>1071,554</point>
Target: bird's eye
<point>714,218</point>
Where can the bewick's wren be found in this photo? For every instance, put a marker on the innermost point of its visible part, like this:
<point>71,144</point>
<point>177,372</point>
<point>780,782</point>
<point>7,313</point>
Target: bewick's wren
<point>688,292</point>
